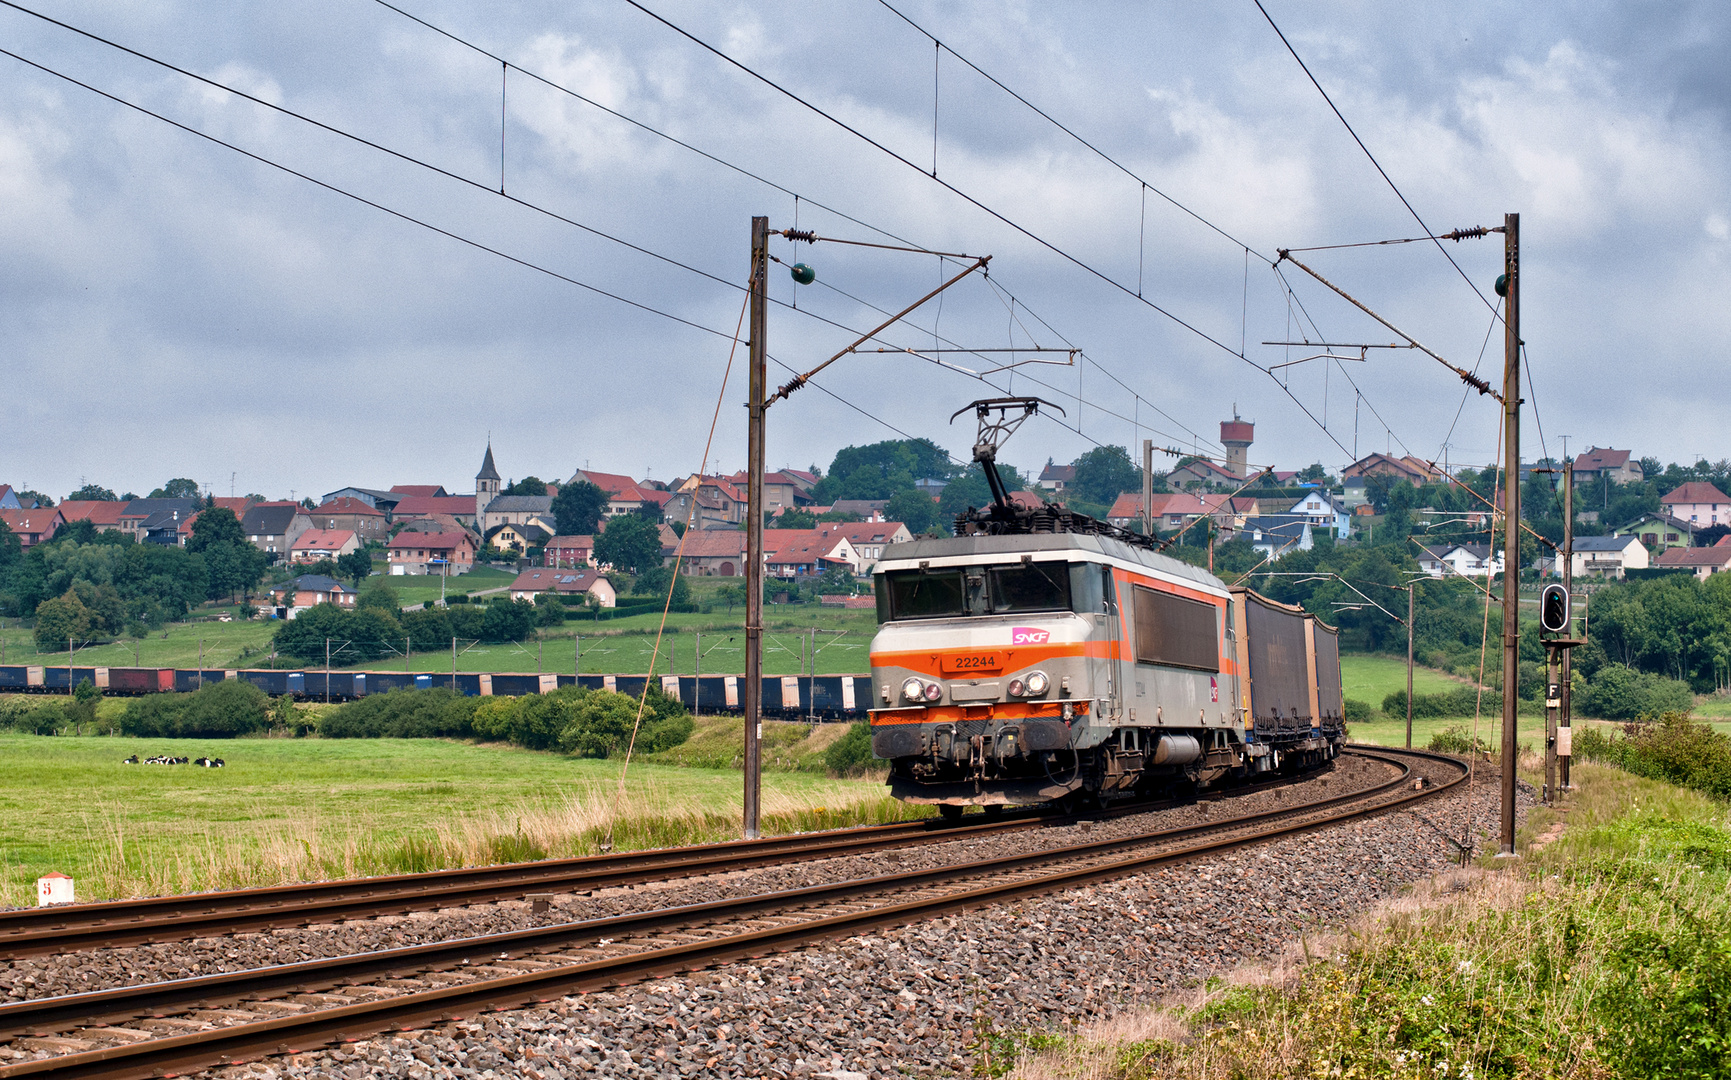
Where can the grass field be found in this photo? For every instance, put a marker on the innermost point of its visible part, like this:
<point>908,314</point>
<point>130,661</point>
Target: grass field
<point>290,810</point>
<point>416,589</point>
<point>1371,678</point>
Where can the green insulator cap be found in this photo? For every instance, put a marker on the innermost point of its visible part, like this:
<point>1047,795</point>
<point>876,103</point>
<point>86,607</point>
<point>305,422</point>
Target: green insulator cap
<point>803,274</point>
<point>1502,284</point>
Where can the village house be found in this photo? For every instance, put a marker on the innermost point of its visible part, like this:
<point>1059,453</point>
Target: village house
<point>867,539</point>
<point>797,554</point>
<point>1616,464</point>
<point>139,511</point>
<point>1055,478</point>
<point>517,510</point>
<point>1460,560</point>
<point>33,527</point>
<point>351,514</point>
<point>567,552</point>
<point>1413,470</point>
<point>445,554</point>
<point>1608,556</point>
<point>534,582</point>
<point>1699,503</point>
<point>517,539</point>
<point>865,510</point>
<point>781,490</point>
<point>712,553</point>
<point>1325,512</point>
<point>460,507</point>
<point>1703,561</point>
<point>1200,473</point>
<point>9,499</point>
<point>385,502</point>
<point>316,544</point>
<point>1276,535</point>
<point>1658,531</point>
<point>103,514</point>
<point>273,526</point>
<point>623,493</point>
<point>296,595</point>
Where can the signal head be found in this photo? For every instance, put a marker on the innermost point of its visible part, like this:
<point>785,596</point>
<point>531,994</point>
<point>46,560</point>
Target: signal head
<point>1554,609</point>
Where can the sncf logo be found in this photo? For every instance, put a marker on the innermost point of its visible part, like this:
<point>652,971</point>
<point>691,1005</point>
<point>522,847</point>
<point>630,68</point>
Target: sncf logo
<point>1027,635</point>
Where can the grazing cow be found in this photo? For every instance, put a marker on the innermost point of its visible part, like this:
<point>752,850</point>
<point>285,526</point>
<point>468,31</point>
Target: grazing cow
<point>133,760</point>
<point>209,763</point>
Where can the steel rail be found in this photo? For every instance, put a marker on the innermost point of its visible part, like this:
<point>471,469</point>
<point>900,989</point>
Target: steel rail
<point>252,1039</point>
<point>31,932</point>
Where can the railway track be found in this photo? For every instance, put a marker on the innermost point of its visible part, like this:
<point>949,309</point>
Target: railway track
<point>123,923</point>
<point>187,1024</point>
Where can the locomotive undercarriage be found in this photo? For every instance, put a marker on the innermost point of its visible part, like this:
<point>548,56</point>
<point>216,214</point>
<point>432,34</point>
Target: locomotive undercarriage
<point>963,763</point>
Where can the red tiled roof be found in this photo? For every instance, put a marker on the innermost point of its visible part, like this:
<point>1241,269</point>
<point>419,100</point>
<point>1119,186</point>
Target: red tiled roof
<point>422,505</point>
<point>36,521</point>
<point>1695,491</point>
<point>620,488</point>
<point>97,512</point>
<point>1597,458</point>
<point>862,532</point>
<point>1694,556</point>
<point>326,539</point>
<point>717,543</point>
<point>348,504</point>
<point>439,541</point>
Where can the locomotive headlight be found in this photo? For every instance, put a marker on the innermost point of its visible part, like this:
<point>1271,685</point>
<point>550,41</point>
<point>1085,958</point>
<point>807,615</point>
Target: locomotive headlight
<point>934,692</point>
<point>914,690</point>
<point>1017,688</point>
<point>1037,683</point>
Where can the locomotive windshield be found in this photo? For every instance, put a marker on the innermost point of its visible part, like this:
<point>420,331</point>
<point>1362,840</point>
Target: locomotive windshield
<point>950,592</point>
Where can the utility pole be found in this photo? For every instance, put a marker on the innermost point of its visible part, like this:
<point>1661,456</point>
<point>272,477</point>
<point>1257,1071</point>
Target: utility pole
<point>1147,487</point>
<point>453,664</point>
<point>1511,518</point>
<point>576,654</point>
<point>754,523</point>
<point>1410,587</point>
<point>1565,744</point>
<point>327,670</point>
<point>697,677</point>
<point>201,663</point>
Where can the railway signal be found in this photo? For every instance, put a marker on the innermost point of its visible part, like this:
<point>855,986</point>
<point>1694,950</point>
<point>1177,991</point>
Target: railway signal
<point>1554,609</point>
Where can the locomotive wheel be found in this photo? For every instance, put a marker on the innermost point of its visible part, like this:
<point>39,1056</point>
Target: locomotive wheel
<point>951,811</point>
<point>992,811</point>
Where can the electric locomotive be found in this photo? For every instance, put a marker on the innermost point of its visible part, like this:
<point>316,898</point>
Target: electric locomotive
<point>1043,656</point>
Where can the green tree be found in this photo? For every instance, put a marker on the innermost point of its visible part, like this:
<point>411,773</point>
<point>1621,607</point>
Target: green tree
<point>1104,473</point>
<point>578,507</point>
<point>529,485</point>
<point>656,580</point>
<point>356,565</point>
<point>913,508</point>
<point>60,621</point>
<point>427,628</point>
<point>794,518</point>
<point>303,637</point>
<point>512,620</point>
<point>629,543</point>
<point>178,488</point>
<point>93,493</point>
<point>379,594</point>
<point>215,526</point>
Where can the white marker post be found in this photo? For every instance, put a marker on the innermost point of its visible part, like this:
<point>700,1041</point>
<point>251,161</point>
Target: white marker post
<point>53,888</point>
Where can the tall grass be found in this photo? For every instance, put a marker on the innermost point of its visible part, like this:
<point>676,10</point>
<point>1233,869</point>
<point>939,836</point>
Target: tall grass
<point>1606,954</point>
<point>576,822</point>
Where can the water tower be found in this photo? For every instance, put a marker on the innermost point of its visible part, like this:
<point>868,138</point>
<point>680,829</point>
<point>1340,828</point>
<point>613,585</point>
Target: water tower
<point>1237,435</point>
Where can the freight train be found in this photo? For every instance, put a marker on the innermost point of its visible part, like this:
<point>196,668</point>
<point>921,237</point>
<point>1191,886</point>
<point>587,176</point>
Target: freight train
<point>821,697</point>
<point>1043,656</point>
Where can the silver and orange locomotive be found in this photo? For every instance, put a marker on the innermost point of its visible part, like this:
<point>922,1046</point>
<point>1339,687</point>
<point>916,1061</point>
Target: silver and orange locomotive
<point>1042,656</point>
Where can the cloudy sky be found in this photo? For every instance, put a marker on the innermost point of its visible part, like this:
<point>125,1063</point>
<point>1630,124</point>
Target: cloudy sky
<point>172,307</point>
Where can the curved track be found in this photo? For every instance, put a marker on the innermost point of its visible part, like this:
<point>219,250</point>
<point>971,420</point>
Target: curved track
<point>188,1024</point>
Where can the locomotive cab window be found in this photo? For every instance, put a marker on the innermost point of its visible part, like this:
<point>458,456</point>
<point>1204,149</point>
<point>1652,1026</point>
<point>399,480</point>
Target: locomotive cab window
<point>1039,586</point>
<point>916,594</point>
<point>1176,631</point>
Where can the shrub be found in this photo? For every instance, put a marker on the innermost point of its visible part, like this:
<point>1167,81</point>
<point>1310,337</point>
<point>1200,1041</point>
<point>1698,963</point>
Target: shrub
<point>32,717</point>
<point>1456,739</point>
<point>1360,712</point>
<point>219,710</point>
<point>403,714</point>
<point>852,752</point>
<point>1616,692</point>
<point>602,722</point>
<point>1675,749</point>
<point>1461,701</point>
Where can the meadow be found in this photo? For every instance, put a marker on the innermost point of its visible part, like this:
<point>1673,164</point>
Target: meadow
<point>286,810</point>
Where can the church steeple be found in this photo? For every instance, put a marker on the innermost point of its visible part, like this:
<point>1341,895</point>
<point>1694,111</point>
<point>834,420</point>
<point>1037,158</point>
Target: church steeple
<point>486,486</point>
